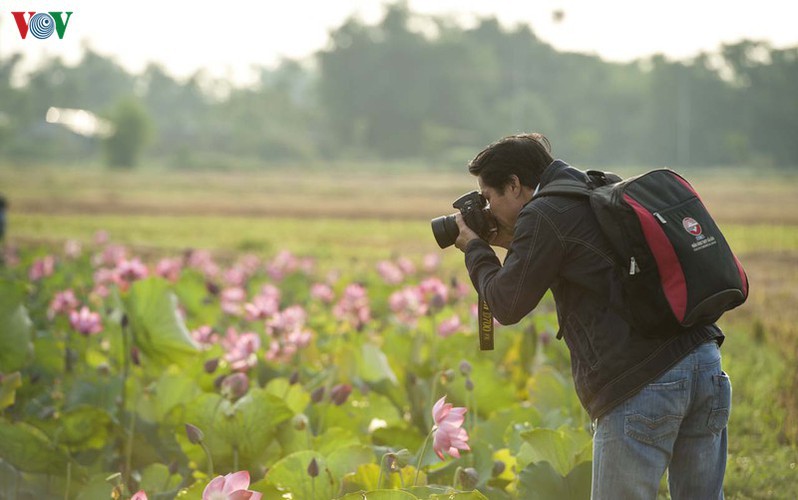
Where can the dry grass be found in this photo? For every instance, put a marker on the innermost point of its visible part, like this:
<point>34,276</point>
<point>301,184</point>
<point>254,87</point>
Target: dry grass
<point>337,192</point>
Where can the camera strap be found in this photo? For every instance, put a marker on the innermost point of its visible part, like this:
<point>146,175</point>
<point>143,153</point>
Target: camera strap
<point>485,326</point>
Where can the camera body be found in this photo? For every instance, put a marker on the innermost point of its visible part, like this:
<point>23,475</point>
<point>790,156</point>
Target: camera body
<point>476,215</point>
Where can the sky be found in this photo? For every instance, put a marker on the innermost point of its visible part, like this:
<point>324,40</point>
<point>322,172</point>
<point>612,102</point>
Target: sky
<point>227,38</point>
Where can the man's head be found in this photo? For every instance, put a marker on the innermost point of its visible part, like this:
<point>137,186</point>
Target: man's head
<point>508,171</point>
<point>526,156</point>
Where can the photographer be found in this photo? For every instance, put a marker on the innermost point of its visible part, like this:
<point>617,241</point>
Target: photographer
<point>656,403</point>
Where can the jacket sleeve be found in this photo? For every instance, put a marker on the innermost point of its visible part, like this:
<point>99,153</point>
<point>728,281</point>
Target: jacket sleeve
<point>532,264</point>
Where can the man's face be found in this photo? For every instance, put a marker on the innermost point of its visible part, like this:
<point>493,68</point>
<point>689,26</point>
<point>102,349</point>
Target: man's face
<point>505,205</point>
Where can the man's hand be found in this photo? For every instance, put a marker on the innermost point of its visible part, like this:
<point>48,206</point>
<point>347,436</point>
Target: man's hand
<point>502,238</point>
<point>466,233</point>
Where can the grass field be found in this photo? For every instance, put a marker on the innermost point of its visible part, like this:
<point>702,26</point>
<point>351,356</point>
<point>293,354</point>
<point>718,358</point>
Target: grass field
<point>350,219</point>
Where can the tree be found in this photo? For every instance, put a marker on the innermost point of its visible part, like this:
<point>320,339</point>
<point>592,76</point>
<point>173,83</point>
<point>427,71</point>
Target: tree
<point>131,131</point>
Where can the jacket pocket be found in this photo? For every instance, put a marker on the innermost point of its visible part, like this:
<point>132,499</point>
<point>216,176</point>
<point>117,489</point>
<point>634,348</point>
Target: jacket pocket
<point>580,341</point>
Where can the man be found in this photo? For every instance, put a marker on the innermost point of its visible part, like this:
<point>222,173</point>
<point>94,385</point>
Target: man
<point>656,403</point>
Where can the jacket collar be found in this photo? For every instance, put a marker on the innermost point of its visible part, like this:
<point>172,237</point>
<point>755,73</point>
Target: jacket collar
<point>558,169</point>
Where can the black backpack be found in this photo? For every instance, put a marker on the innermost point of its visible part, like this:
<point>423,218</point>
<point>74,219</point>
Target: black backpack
<point>678,270</point>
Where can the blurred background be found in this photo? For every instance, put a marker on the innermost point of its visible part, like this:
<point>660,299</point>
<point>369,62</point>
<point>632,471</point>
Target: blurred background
<point>302,83</point>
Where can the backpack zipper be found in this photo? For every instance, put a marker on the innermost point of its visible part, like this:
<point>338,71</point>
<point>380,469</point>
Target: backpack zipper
<point>633,269</point>
<point>660,217</point>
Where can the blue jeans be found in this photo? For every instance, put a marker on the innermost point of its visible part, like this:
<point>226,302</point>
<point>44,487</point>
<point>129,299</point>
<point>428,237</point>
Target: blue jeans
<point>678,423</point>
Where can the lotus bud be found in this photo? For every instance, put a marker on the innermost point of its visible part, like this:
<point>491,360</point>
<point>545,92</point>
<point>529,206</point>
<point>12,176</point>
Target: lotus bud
<point>234,386</point>
<point>468,478</point>
<point>403,457</point>
<point>135,355</point>
<point>195,435</point>
<point>300,422</point>
<point>294,378</point>
<point>313,468</point>
<point>317,395</point>
<point>211,365</point>
<point>498,467</point>
<point>340,393</point>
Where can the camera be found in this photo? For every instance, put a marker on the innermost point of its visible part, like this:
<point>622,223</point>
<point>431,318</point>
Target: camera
<point>476,215</point>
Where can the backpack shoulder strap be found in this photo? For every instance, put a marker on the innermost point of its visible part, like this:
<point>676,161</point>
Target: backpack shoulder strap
<point>577,187</point>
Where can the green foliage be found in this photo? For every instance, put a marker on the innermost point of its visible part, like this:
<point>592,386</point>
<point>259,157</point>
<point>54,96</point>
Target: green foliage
<point>157,328</point>
<point>15,328</point>
<point>131,131</point>
<point>423,87</point>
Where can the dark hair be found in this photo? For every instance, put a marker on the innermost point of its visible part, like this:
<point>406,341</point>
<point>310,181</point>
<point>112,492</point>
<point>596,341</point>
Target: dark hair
<point>524,155</point>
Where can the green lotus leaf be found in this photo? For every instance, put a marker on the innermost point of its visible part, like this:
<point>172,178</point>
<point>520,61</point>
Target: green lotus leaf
<point>157,327</point>
<point>373,365</point>
<point>157,478</point>
<point>28,449</point>
<point>85,427</point>
<point>295,396</point>
<point>246,427</point>
<point>561,448</point>
<point>15,329</point>
<point>291,473</point>
<point>8,389</point>
<point>541,482</point>
<point>367,478</point>
<point>380,495</point>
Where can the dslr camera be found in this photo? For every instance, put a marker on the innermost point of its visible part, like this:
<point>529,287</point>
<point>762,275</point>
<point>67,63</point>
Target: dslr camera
<point>476,215</point>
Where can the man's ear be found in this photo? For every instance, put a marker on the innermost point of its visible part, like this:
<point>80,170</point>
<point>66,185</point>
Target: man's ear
<point>515,185</point>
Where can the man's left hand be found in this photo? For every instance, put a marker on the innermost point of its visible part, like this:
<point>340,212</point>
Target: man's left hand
<point>466,233</point>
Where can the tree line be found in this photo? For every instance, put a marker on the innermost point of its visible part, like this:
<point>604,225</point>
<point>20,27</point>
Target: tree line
<point>419,88</point>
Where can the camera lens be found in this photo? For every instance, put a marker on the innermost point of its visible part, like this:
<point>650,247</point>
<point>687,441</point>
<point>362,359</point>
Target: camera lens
<point>445,230</point>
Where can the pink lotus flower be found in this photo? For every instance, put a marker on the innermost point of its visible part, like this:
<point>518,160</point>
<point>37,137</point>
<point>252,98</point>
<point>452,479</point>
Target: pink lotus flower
<point>205,335</point>
<point>449,326</point>
<point>322,292</point>
<point>263,305</point>
<point>241,349</point>
<point>101,237</point>
<point>72,249</point>
<point>42,268</point>
<point>202,260</point>
<point>169,269</point>
<point>283,264</point>
<point>450,437</point>
<point>139,495</point>
<point>85,321</point>
<point>62,303</point>
<point>128,271</point>
<point>232,300</point>
<point>406,265</point>
<point>233,486</point>
<point>354,306</point>
<point>432,261</point>
<point>390,273</point>
<point>112,255</point>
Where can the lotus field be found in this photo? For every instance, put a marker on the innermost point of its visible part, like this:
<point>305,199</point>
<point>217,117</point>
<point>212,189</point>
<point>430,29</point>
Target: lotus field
<point>185,376</point>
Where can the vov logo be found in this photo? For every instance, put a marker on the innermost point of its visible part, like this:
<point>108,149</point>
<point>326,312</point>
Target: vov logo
<point>42,24</point>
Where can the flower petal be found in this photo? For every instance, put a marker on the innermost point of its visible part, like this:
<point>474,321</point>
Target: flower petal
<point>236,481</point>
<point>217,484</point>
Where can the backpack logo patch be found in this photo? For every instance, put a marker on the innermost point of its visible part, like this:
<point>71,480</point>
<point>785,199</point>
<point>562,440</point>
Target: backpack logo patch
<point>691,226</point>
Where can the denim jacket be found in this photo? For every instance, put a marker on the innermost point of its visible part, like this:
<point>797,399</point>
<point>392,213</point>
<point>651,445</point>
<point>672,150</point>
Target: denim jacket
<point>558,245</point>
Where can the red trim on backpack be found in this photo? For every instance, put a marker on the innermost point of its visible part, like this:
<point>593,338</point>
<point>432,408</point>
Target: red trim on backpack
<point>670,270</point>
<point>686,184</point>
<point>743,277</point>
